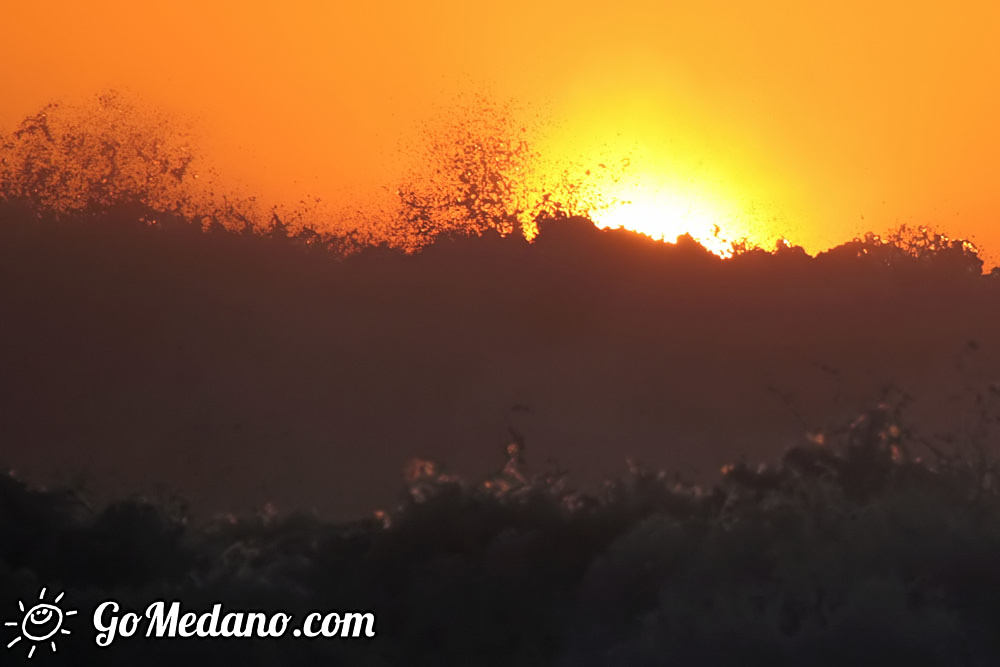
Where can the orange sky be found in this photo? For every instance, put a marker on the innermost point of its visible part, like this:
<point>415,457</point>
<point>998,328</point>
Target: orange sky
<point>811,121</point>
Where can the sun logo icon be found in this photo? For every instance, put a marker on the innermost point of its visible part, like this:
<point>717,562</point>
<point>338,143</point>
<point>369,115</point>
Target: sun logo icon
<point>40,624</point>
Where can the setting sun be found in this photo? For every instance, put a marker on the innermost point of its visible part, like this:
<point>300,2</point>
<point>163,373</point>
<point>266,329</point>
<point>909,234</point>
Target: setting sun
<point>665,215</point>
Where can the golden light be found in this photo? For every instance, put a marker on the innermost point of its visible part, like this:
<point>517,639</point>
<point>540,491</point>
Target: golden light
<point>640,170</point>
<point>665,214</point>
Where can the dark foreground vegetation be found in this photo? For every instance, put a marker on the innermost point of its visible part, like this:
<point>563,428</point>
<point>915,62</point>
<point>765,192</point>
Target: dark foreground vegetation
<point>850,552</point>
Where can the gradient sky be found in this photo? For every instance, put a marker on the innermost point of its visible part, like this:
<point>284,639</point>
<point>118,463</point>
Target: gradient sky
<point>815,121</point>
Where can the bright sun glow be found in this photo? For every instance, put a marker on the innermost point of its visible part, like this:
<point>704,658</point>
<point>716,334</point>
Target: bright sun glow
<point>662,214</point>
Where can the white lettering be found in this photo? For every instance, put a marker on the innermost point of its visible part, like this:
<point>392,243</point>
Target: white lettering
<point>105,632</point>
<point>162,626</point>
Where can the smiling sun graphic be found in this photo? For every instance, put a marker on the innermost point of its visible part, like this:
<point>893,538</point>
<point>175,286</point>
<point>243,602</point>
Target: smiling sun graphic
<point>40,623</point>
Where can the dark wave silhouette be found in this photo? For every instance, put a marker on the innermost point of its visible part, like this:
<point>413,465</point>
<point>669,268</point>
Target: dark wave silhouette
<point>242,369</point>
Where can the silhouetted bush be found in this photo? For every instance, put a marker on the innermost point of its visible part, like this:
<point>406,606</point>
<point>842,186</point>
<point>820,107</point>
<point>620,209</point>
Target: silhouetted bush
<point>847,551</point>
